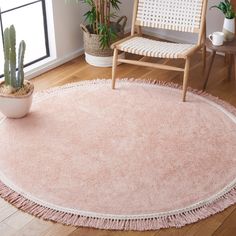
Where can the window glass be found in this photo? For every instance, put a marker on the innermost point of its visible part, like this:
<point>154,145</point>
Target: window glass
<point>30,24</point>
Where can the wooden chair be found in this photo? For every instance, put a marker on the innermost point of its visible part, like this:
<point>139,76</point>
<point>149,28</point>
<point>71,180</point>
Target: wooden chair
<point>178,15</point>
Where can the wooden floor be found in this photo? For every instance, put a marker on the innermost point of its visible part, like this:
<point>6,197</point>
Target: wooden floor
<point>15,222</point>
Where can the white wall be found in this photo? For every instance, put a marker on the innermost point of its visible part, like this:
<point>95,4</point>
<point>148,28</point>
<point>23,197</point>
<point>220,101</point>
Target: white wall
<point>126,9</point>
<point>215,18</point>
<point>67,19</point>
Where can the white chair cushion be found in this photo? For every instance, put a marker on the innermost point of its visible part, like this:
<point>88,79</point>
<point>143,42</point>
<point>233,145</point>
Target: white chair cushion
<point>153,48</point>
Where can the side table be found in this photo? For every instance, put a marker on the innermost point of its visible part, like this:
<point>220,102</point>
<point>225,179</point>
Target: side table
<point>227,48</point>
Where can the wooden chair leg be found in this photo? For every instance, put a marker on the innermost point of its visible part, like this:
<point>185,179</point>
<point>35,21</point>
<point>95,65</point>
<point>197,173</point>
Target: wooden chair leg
<point>115,57</point>
<point>186,75</point>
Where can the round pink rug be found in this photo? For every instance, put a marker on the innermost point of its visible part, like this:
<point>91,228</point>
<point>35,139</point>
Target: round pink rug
<point>134,158</point>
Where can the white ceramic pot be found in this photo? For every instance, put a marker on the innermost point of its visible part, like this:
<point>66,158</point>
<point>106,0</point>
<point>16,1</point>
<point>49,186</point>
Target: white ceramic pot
<point>16,107</point>
<point>229,29</point>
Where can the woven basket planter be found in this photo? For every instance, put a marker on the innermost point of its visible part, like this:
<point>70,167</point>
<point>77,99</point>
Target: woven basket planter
<point>92,44</point>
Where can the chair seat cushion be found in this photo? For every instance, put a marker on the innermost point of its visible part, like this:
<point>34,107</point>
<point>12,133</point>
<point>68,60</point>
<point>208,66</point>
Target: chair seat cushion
<point>153,48</point>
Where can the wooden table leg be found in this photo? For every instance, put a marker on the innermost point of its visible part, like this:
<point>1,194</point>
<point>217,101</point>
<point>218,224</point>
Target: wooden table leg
<point>209,69</point>
<point>230,66</point>
<point>226,58</point>
<point>235,67</point>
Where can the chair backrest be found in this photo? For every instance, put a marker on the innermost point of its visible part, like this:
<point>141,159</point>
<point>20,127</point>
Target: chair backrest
<point>179,15</point>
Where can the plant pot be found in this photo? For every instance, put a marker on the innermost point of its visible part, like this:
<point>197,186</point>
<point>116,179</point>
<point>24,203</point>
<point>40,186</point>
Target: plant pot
<point>13,106</point>
<point>99,61</point>
<point>229,29</point>
<point>96,56</point>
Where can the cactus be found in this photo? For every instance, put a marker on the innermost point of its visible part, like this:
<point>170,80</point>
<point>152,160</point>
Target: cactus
<point>7,56</point>
<point>21,54</point>
<point>12,38</point>
<point>12,77</point>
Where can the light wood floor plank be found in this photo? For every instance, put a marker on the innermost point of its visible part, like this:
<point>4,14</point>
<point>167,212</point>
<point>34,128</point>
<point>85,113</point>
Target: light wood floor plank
<point>35,227</point>
<point>228,228</point>
<point>6,230</point>
<point>93,232</point>
<point>209,225</point>
<point>18,220</point>
<point>60,230</point>
<point>6,210</point>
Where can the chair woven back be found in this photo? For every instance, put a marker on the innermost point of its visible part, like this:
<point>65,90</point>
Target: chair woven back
<point>180,15</point>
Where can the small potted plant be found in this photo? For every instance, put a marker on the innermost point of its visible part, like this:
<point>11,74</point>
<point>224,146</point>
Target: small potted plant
<point>15,93</point>
<point>229,22</point>
<point>100,31</point>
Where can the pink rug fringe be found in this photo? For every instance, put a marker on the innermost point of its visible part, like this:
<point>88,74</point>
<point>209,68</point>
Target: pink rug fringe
<point>175,220</point>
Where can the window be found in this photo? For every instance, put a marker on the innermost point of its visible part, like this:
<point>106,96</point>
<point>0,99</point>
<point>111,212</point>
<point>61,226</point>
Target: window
<point>29,19</point>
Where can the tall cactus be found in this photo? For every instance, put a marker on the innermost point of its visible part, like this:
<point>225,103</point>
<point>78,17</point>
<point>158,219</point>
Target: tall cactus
<point>12,38</point>
<point>12,78</point>
<point>7,56</point>
<point>21,54</point>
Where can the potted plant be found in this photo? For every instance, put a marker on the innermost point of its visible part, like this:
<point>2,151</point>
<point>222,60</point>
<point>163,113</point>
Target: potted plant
<point>229,22</point>
<point>100,31</point>
<point>15,93</point>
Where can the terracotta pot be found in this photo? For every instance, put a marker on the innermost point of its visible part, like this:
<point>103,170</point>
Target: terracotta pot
<point>229,29</point>
<point>16,106</point>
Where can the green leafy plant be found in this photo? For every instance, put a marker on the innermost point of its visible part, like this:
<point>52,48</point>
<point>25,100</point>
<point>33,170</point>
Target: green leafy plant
<point>12,77</point>
<point>226,8</point>
<point>99,19</point>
